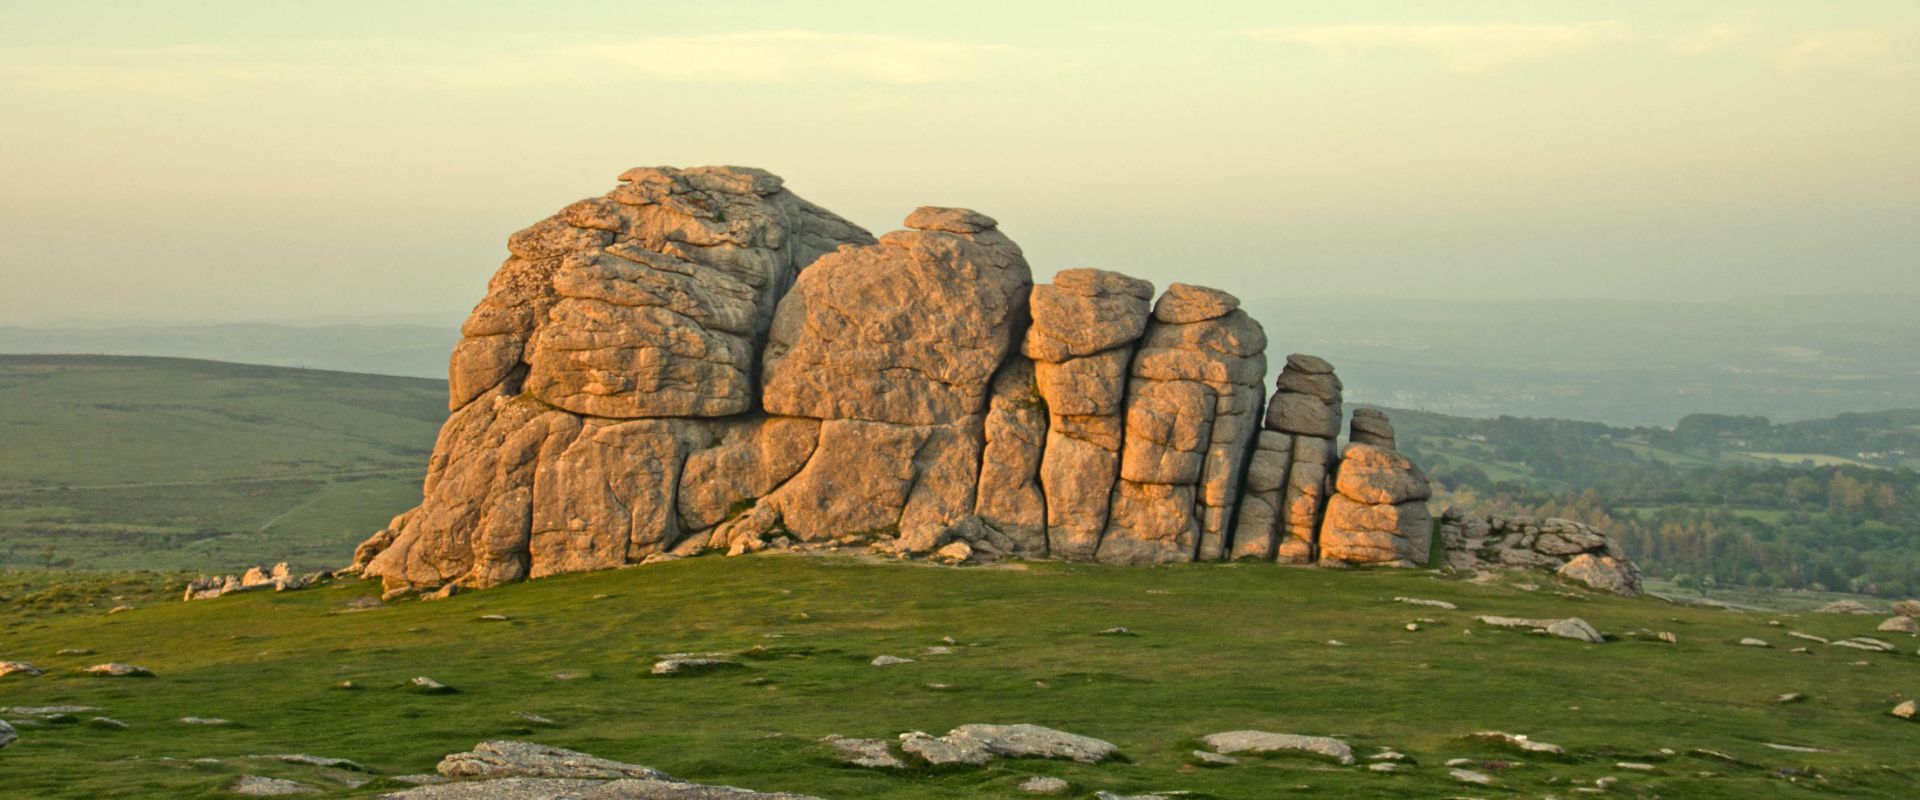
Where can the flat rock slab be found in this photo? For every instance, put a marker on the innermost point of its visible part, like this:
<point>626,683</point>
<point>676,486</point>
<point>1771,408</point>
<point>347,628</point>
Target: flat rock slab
<point>873,753</point>
<point>1034,741</point>
<point>513,759</point>
<point>19,668</point>
<point>118,671</point>
<point>7,734</point>
<point>307,759</point>
<point>1044,784</point>
<point>1518,742</point>
<point>691,666</point>
<point>1265,742</point>
<point>575,789</point>
<point>261,786</point>
<point>943,751</point>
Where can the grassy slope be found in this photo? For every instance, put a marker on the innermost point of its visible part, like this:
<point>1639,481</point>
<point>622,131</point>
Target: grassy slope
<point>123,463</point>
<point>1219,648</point>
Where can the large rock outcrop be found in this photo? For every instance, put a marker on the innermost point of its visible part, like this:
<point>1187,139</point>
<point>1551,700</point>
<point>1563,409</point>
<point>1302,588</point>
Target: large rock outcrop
<point>701,360</point>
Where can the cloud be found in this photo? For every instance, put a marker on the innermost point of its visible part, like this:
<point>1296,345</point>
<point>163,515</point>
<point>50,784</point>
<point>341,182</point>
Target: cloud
<point>1837,48</point>
<point>765,57</point>
<point>1471,48</point>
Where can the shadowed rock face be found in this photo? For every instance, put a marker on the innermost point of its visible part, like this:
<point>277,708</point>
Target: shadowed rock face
<point>702,360</point>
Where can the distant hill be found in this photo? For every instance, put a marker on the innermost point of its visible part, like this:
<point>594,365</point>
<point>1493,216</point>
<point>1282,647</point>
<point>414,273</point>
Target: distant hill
<point>383,349</point>
<point>126,462</point>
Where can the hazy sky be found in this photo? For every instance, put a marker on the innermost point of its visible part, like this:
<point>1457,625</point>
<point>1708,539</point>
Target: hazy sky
<point>191,161</point>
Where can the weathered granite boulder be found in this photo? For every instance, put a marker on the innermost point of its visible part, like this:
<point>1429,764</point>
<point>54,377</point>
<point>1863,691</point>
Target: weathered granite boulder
<point>1571,550</point>
<point>702,361</point>
<point>909,330</point>
<point>1192,399</point>
<point>650,301</point>
<point>1085,326</point>
<point>1378,514</point>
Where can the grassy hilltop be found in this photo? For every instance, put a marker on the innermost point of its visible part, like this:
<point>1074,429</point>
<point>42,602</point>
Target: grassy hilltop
<point>163,463</point>
<point>1217,648</point>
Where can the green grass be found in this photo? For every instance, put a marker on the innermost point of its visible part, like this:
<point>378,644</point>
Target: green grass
<point>1219,648</point>
<point>121,463</point>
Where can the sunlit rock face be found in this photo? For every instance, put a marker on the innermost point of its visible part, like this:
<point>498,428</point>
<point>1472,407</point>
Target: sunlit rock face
<point>700,360</point>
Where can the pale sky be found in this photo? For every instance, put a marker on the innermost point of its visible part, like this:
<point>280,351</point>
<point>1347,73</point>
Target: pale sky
<point>212,161</point>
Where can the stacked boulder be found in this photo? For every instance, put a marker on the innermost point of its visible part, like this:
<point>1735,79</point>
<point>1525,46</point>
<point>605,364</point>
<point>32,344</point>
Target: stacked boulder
<point>702,361</point>
<point>1572,550</point>
<point>1291,473</point>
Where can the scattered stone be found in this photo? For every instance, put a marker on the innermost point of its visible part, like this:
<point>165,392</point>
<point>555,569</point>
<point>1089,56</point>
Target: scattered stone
<point>1384,766</point>
<point>493,618</point>
<point>1335,643</point>
<point>1470,776</point>
<point>1034,741</point>
<point>1843,607</point>
<point>1518,742</point>
<point>7,734</point>
<point>1752,642</point>
<point>954,553</point>
<point>310,760</point>
<point>426,685</point>
<point>1907,710</point>
<point>73,651</point>
<point>1669,637</point>
<point>347,686</point>
<point>278,577</point>
<point>1415,601</point>
<point>937,650</point>
<point>1794,748</point>
<point>1112,796</point>
<point>536,719</point>
<point>1900,625</point>
<point>19,668</point>
<point>1044,784</point>
<point>1789,697</point>
<point>943,751</point>
<point>888,661</point>
<point>1118,632</point>
<point>691,665</point>
<point>1866,643</point>
<point>514,759</point>
<point>261,786</point>
<point>1265,742</point>
<point>119,609</point>
<point>44,712</point>
<point>1636,766</point>
<point>1214,759</point>
<point>208,721</point>
<point>107,723</point>
<point>115,670</point>
<point>872,753</point>
<point>1413,627</point>
<point>1577,629</point>
<point>1809,637</point>
<point>1907,608</point>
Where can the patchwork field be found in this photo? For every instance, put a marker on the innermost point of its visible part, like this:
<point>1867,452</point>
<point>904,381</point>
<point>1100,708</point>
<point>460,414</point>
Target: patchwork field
<point>1215,648</point>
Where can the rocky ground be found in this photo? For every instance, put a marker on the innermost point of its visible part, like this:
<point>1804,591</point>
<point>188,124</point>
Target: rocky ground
<point>833,677</point>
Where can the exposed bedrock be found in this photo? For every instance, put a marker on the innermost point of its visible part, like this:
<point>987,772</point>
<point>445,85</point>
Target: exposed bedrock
<point>701,360</point>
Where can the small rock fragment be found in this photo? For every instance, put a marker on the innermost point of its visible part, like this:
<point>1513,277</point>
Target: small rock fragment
<point>1470,776</point>
<point>1044,784</point>
<point>261,786</point>
<point>1415,601</point>
<point>426,685</point>
<point>115,670</point>
<point>691,665</point>
<point>1752,642</point>
<point>872,753</point>
<point>1214,759</point>
<point>19,668</point>
<point>888,661</point>
<point>1907,710</point>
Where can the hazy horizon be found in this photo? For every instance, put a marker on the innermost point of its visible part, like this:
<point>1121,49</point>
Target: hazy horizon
<point>249,162</point>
